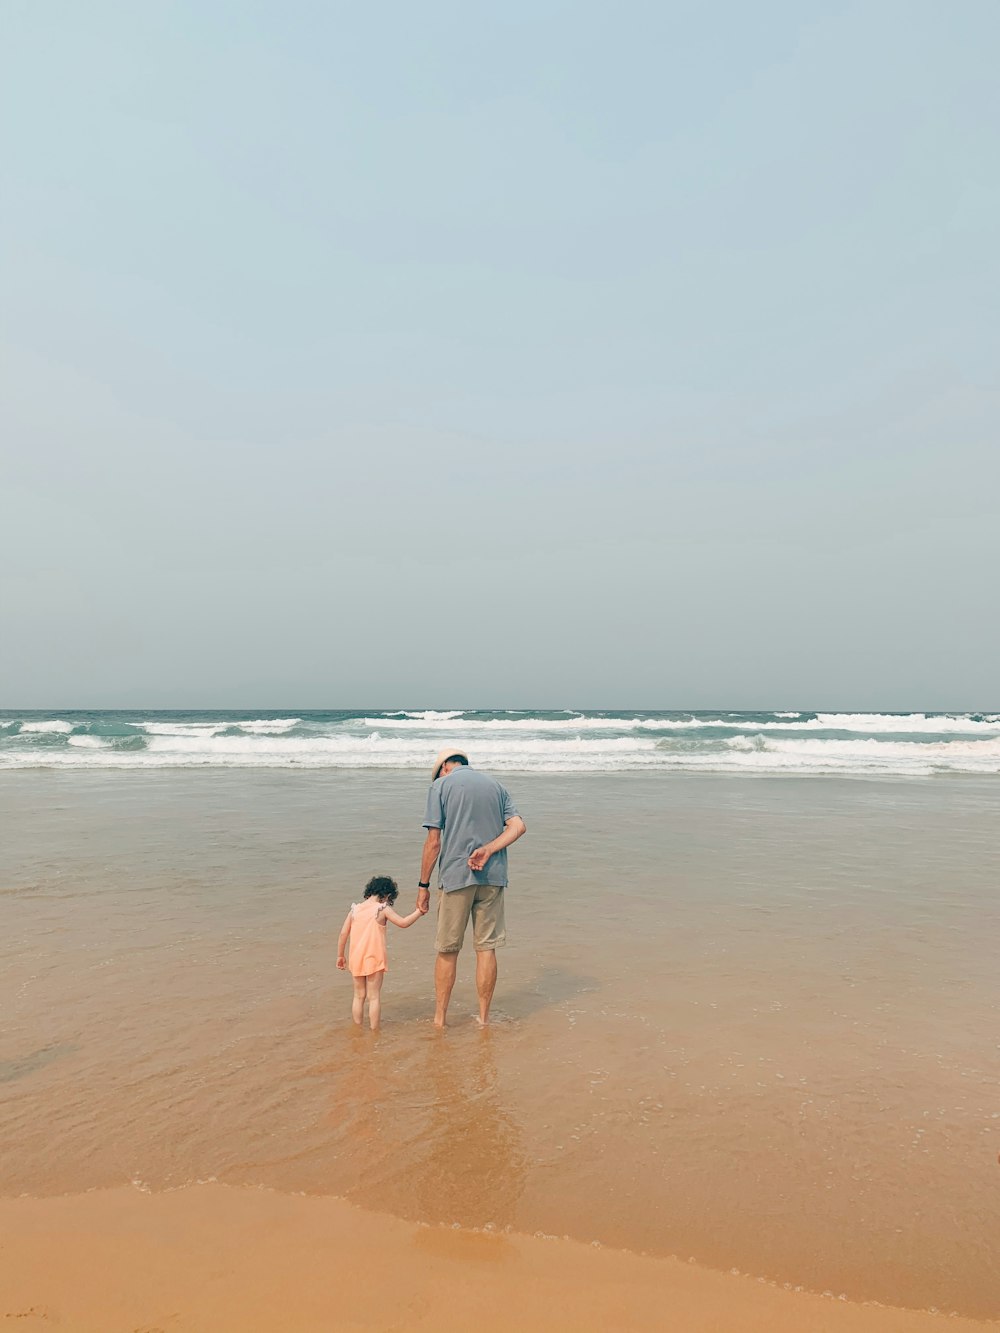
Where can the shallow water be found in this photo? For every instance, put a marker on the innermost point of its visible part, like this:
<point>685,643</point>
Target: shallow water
<point>748,1020</point>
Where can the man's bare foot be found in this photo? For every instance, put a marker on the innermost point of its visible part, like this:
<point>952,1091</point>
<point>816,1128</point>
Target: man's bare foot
<point>440,1021</point>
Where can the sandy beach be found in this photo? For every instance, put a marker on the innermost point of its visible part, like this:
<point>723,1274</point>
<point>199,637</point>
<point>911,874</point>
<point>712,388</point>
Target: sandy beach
<point>211,1259</point>
<point>771,1077</point>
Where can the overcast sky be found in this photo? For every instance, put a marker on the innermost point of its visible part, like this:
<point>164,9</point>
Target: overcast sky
<point>534,354</point>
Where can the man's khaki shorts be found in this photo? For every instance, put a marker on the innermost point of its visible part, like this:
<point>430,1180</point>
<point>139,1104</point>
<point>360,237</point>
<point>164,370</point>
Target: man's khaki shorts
<point>484,903</point>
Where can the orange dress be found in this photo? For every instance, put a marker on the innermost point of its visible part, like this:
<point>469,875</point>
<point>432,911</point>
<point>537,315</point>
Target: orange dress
<point>367,953</point>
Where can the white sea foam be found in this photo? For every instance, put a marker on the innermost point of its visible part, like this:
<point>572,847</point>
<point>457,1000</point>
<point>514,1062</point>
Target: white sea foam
<point>567,754</point>
<point>912,744</point>
<point>252,726</point>
<point>868,755</point>
<point>268,726</point>
<point>571,754</point>
<point>454,724</point>
<point>913,723</point>
<point>864,746</point>
<point>182,728</point>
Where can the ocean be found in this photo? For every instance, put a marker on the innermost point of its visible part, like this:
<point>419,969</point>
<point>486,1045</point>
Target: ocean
<point>747,1014</point>
<point>907,744</point>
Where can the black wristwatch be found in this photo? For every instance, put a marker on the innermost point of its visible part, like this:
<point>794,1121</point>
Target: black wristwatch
<point>422,885</point>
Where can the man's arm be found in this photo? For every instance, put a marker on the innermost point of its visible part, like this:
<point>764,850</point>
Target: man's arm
<point>432,849</point>
<point>512,830</point>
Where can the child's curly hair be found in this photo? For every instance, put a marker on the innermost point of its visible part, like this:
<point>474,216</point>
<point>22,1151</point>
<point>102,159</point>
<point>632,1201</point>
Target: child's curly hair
<point>382,887</point>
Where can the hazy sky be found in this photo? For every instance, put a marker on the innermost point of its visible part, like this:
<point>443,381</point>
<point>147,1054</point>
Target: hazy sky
<point>472,354</point>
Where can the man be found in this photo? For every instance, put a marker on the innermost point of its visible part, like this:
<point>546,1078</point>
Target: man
<point>470,823</point>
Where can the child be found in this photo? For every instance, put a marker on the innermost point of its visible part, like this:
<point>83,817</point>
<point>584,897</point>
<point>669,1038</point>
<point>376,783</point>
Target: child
<point>365,927</point>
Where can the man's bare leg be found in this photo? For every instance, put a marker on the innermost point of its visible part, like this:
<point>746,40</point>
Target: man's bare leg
<point>445,971</point>
<point>486,982</point>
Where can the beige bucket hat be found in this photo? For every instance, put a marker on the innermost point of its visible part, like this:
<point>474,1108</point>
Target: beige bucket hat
<point>446,754</point>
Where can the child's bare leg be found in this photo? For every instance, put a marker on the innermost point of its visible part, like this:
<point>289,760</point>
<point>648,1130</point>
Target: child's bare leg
<point>358,1003</point>
<point>375,999</point>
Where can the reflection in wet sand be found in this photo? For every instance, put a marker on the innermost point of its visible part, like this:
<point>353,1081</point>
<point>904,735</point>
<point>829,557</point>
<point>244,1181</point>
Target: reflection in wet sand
<point>431,1136</point>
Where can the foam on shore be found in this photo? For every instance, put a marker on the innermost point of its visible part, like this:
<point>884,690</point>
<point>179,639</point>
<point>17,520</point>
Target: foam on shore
<point>214,1259</point>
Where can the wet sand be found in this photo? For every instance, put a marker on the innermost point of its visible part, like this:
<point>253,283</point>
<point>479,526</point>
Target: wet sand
<point>747,1022</point>
<point>211,1259</point>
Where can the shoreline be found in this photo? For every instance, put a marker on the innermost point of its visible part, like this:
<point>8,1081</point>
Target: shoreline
<point>212,1258</point>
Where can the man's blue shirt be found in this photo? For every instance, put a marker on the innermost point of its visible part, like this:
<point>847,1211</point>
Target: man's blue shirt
<point>470,809</point>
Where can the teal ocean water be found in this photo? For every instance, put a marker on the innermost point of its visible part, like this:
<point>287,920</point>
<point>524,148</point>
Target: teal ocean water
<point>906,744</point>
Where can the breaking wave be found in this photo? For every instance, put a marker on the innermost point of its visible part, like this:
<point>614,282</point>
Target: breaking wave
<point>908,744</point>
